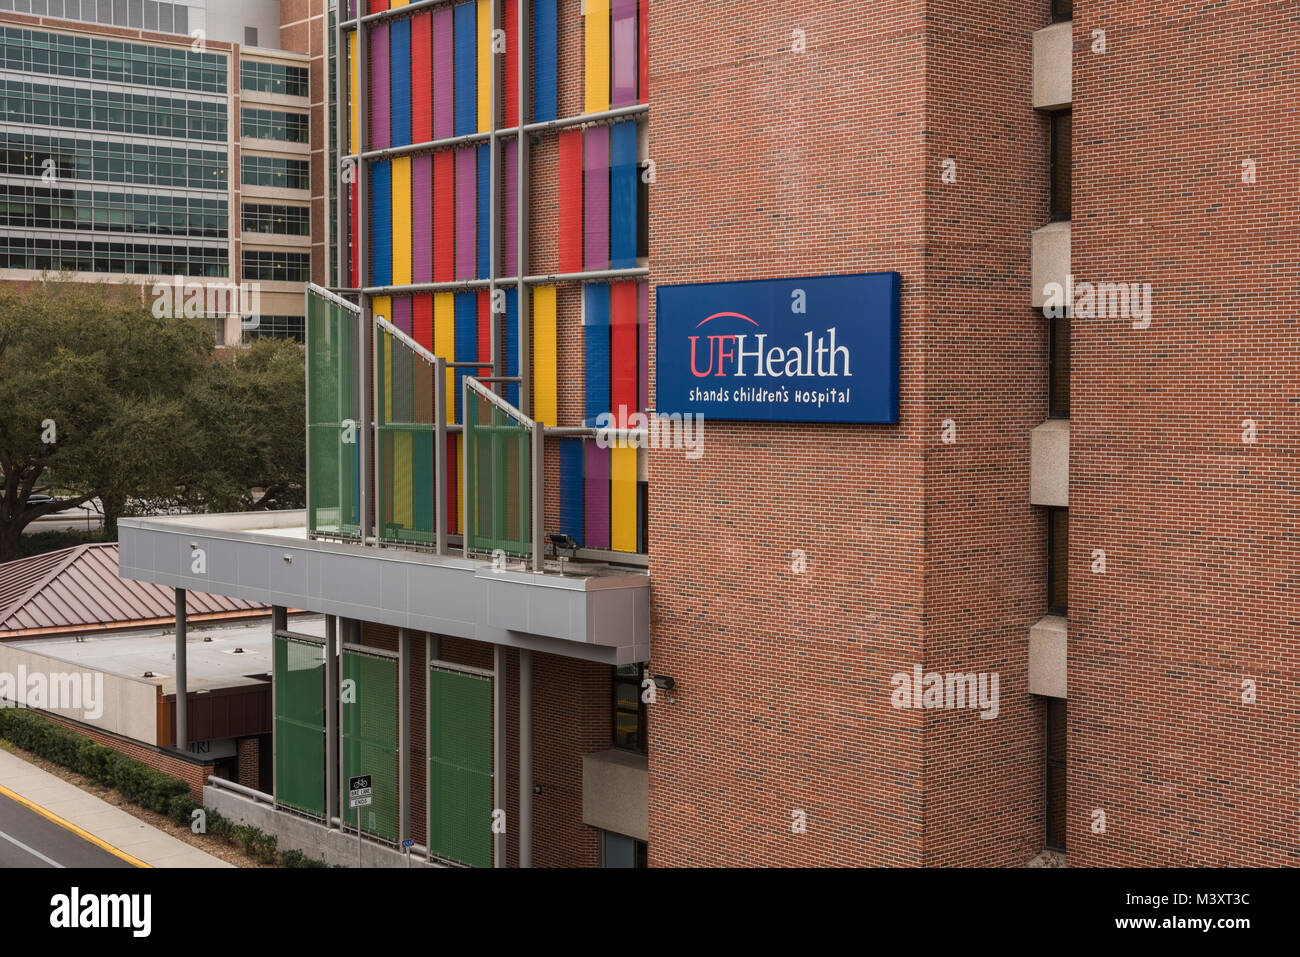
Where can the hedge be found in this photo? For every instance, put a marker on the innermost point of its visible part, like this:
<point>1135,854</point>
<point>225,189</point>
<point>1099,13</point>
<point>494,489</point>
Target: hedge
<point>137,782</point>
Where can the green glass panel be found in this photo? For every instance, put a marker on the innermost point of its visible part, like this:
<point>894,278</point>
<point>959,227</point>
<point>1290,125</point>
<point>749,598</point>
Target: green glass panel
<point>370,737</point>
<point>497,478</point>
<point>460,767</point>
<point>300,725</point>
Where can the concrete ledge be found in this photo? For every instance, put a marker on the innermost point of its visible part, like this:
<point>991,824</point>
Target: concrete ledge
<point>603,618</point>
<point>616,792</point>
<point>1049,464</point>
<point>1053,56</point>
<point>1049,260</point>
<point>1048,657</point>
<point>296,833</point>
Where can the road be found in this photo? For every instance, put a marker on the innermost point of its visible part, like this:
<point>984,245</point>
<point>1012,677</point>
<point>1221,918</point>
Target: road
<point>29,840</point>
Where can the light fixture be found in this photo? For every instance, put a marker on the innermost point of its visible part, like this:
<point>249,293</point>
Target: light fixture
<point>667,682</point>
<point>560,540</point>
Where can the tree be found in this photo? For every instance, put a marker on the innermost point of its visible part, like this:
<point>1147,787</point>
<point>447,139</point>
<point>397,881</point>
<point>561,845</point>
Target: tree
<point>103,399</point>
<point>92,388</point>
<point>249,413</point>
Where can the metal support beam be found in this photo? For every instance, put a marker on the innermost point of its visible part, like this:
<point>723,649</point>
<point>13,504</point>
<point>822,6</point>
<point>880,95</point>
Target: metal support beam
<point>440,511</point>
<point>403,734</point>
<point>429,641</point>
<point>499,751</point>
<point>524,311</point>
<point>525,758</point>
<point>494,201</point>
<point>331,716</point>
<point>539,495</point>
<point>339,228</point>
<point>182,687</point>
<point>362,173</point>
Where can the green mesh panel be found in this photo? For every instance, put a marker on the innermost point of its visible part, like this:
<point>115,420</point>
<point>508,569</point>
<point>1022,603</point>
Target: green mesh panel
<point>333,417</point>
<point>460,767</point>
<point>300,725</point>
<point>370,738</point>
<point>498,479</point>
<point>404,413</point>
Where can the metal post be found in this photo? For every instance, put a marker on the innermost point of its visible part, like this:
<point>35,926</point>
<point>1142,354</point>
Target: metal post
<point>499,749</point>
<point>279,623</point>
<point>372,419</point>
<point>403,733</point>
<point>342,110</point>
<point>522,294</point>
<point>525,758</point>
<point>429,641</point>
<point>494,203</point>
<point>182,688</point>
<point>363,228</point>
<point>539,494</point>
<point>464,470</point>
<point>331,717</point>
<point>440,510</point>
<point>347,636</point>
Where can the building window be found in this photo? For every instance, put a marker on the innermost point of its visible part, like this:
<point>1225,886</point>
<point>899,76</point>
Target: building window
<point>250,36</point>
<point>276,219</point>
<point>1062,154</point>
<point>276,327</point>
<point>629,709</point>
<point>274,125</point>
<point>1054,839</point>
<point>1062,10</point>
<point>619,851</point>
<point>273,78</point>
<point>1058,560</point>
<point>275,266</point>
<point>1058,386</point>
<point>274,171</point>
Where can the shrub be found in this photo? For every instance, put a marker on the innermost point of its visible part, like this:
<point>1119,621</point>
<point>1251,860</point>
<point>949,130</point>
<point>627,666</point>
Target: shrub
<point>219,826</point>
<point>135,780</point>
<point>181,809</point>
<point>299,859</point>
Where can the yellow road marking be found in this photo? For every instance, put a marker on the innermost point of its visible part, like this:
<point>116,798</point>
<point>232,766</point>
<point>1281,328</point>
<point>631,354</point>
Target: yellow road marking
<point>69,826</point>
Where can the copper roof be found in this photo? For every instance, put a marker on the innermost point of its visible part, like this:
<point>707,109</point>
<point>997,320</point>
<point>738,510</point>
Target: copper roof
<point>78,589</point>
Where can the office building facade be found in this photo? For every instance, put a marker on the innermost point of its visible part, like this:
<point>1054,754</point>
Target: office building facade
<point>149,141</point>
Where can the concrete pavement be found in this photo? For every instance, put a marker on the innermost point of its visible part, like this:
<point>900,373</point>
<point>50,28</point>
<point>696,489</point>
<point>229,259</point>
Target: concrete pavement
<point>94,822</point>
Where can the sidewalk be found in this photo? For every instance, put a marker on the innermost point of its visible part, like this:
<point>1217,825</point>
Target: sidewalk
<point>109,825</point>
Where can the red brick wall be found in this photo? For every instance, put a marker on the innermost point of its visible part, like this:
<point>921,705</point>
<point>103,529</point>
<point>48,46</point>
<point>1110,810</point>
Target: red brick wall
<point>571,717</point>
<point>193,773</point>
<point>986,370</point>
<point>777,163</point>
<point>250,763</point>
<point>1199,528</point>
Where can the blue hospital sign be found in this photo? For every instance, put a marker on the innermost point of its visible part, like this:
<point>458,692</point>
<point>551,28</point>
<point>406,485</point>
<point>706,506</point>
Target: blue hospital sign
<point>823,349</point>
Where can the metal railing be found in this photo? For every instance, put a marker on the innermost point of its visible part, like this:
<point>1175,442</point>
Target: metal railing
<point>502,479</point>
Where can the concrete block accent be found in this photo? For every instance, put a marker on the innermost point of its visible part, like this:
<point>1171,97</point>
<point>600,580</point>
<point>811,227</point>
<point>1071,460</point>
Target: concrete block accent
<point>616,792</point>
<point>1053,56</point>
<point>1049,260</point>
<point>296,833</point>
<point>1048,655</point>
<point>1049,464</point>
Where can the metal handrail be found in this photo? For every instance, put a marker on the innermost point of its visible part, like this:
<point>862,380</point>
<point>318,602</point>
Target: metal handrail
<point>241,789</point>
